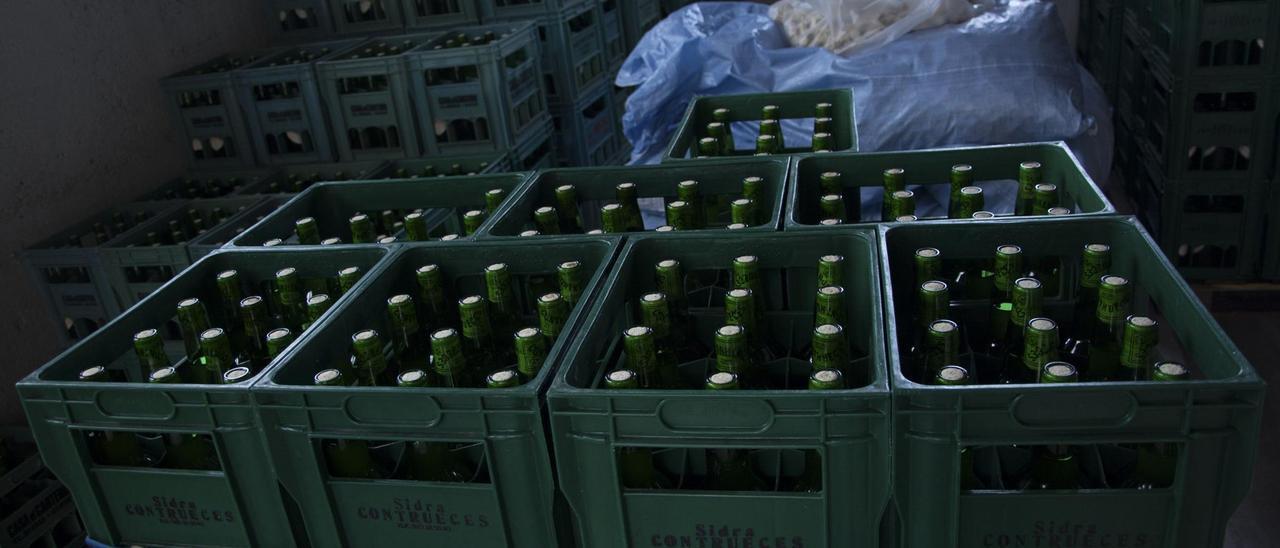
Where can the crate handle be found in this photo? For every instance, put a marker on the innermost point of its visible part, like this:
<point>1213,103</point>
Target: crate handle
<point>393,410</point>
<point>713,414</point>
<point>1074,409</point>
<point>136,404</point>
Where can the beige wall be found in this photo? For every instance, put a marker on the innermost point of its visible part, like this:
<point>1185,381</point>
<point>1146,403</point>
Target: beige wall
<point>84,125</point>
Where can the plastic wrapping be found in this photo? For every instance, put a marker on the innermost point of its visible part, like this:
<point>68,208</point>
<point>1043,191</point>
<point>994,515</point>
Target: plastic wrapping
<point>850,26</point>
<point>1005,76</point>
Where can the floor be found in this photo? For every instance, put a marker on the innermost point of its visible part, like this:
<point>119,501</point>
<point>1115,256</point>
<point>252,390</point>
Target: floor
<point>1257,522</point>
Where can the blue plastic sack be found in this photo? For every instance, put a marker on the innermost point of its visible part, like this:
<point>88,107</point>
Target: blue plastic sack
<point>1006,76</point>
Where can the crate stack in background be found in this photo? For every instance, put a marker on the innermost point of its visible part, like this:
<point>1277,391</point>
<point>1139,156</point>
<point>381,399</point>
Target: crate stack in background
<point>35,509</point>
<point>1196,89</point>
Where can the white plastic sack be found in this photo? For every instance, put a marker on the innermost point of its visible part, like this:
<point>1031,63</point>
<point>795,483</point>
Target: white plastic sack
<point>849,26</point>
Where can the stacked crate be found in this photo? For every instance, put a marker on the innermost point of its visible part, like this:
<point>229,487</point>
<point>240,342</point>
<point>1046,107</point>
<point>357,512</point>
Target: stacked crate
<point>1197,95</point>
<point>35,509</point>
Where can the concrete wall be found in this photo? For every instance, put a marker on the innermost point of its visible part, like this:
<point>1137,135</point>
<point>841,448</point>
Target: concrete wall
<point>84,125</point>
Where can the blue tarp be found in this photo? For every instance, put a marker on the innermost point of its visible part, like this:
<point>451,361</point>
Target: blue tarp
<point>1006,76</point>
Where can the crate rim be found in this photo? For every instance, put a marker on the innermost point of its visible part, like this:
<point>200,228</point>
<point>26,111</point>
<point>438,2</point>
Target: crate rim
<point>34,381</point>
<point>338,45</point>
<point>530,184</point>
<point>793,181</point>
<point>877,354</point>
<point>236,243</point>
<point>264,382</point>
<point>1247,377</point>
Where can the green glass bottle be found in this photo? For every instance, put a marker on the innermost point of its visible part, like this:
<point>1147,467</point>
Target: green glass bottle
<point>503,378</point>
<point>742,211</point>
<point>571,276</point>
<point>547,220</point>
<point>942,346</point>
<point>724,116</point>
<point>567,208</point>
<point>1027,300</point>
<point>933,303</point>
<point>730,469</point>
<point>307,230</point>
<point>656,315</point>
<point>821,142</point>
<point>1114,294</point>
<point>451,365</point>
<point>317,305</point>
<point>928,263</point>
<point>823,110</point>
<point>553,313</point>
<point>291,297</point>
<point>503,309</point>
<point>1055,466</point>
<point>478,335</point>
<point>434,461</point>
<point>409,343</point>
<point>415,227</point>
<point>433,296</point>
<point>370,360</point>
<point>1045,198</point>
<point>773,128</point>
<point>829,306</point>
<point>256,318</point>
<point>732,352</point>
<point>982,215</point>
<point>690,192</point>
<point>642,356</point>
<point>110,447</point>
<point>237,375</point>
<point>1030,174</point>
<point>347,278</point>
<point>184,451</point>
<point>531,352</point>
<point>1039,349</point>
<point>754,188</point>
<point>708,147</point>
<point>218,357</point>
<point>746,275</point>
<point>829,348</point>
<point>719,131</point>
<point>628,197</point>
<point>823,124</point>
<point>971,201</point>
<point>635,464</point>
<point>149,348</point>
<point>193,319</point>
<point>680,215</point>
<point>362,231</point>
<point>493,199</point>
<point>471,221</point>
<point>831,270</point>
<point>1095,260</point>
<point>902,203</point>
<point>1157,462</point>
<point>892,180</point>
<point>613,219</point>
<point>961,176</point>
<point>1141,334</point>
<point>766,145</point>
<point>740,309</point>
<point>831,206</point>
<point>951,375</point>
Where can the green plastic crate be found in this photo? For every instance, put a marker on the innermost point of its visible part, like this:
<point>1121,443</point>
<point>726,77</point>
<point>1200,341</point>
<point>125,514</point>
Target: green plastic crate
<point>136,268</point>
<point>512,499</point>
<point>216,183</point>
<point>205,108</point>
<point>1100,36</point>
<point>573,52</point>
<point>222,234</point>
<point>365,17</point>
<point>638,16</point>
<point>1211,130</point>
<point>849,428</point>
<point>654,184</point>
<point>587,131</point>
<point>616,46</point>
<point>474,164</point>
<point>479,98</point>
<point>35,503</point>
<point>444,200</point>
<point>508,10</point>
<point>1208,39</point>
<point>281,100</point>
<point>304,175</point>
<point>368,101</point>
<point>538,152</point>
<point>797,112</point>
<point>295,21</point>
<point>73,280</point>
<point>236,505</point>
<point>1208,229</point>
<point>1213,419</point>
<point>995,169</point>
<point>431,14</point>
